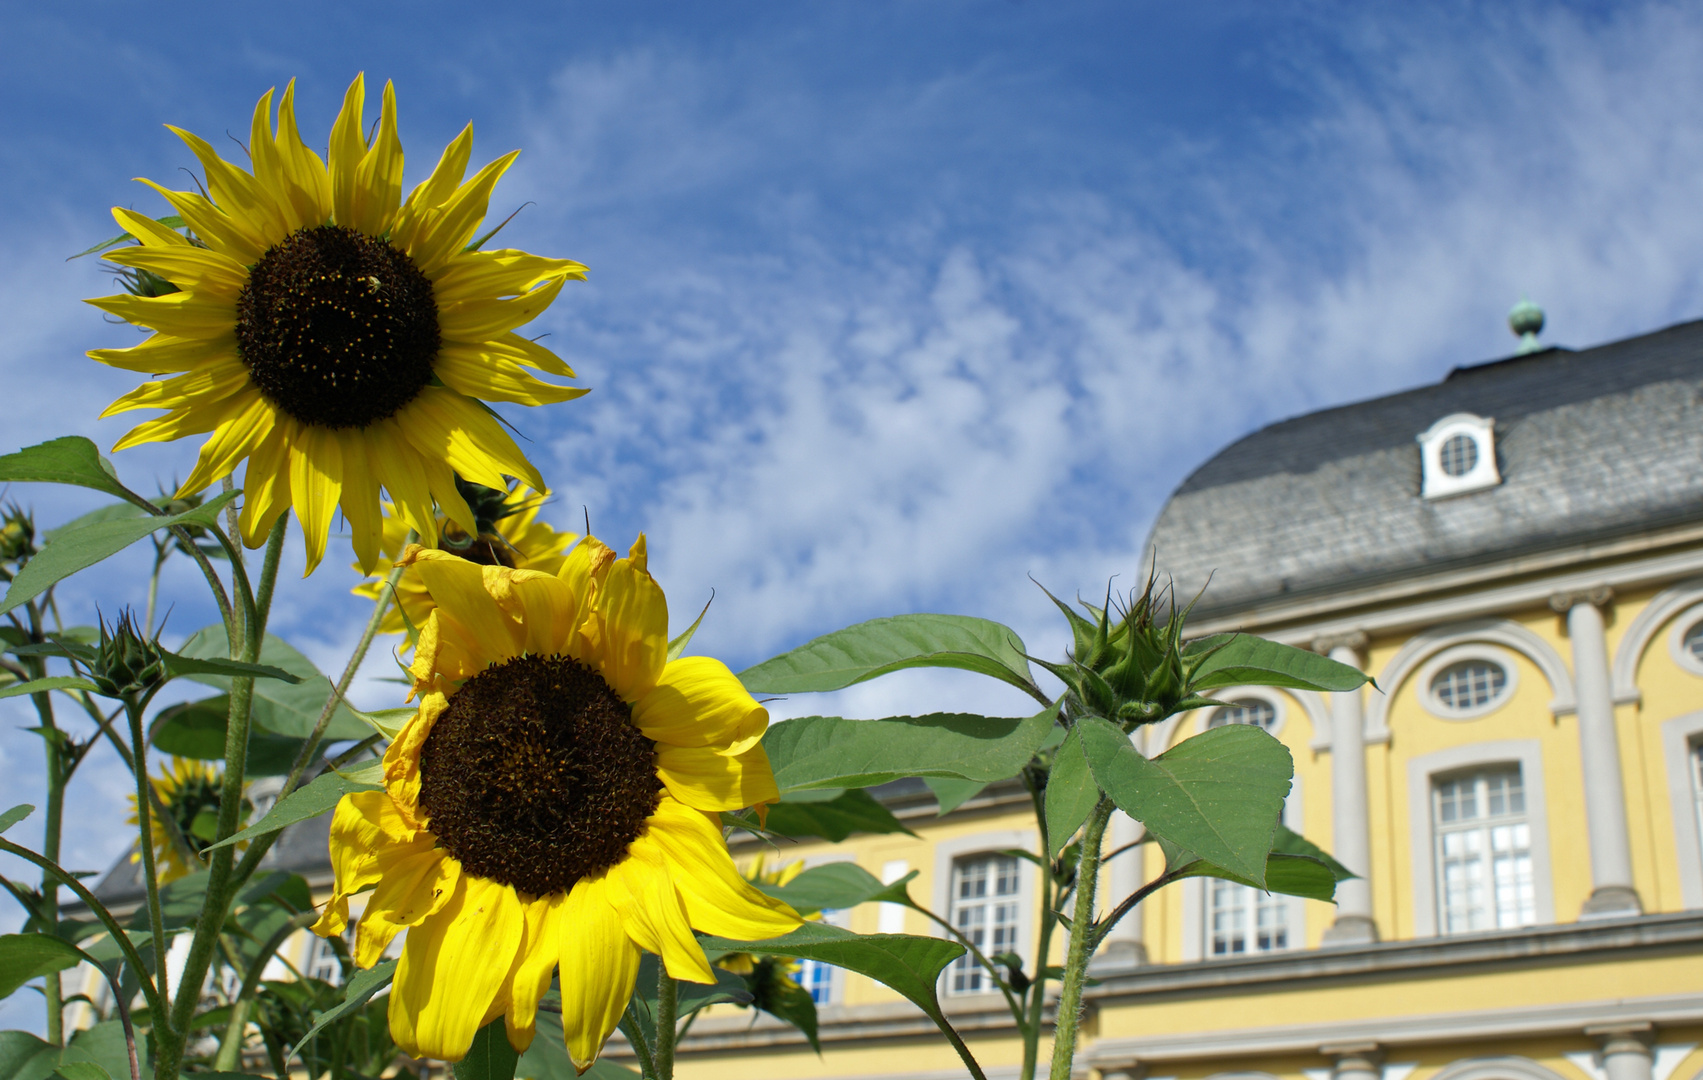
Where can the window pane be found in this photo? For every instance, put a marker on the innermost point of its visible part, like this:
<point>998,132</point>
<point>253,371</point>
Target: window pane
<point>1245,711</point>
<point>1469,684</point>
<point>986,911</point>
<point>1484,867</point>
<point>1242,919</point>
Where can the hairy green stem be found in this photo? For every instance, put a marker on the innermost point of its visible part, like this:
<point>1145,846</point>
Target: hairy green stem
<point>667,1016</point>
<point>230,1048</point>
<point>1038,989</point>
<point>1081,942</point>
<point>145,841</point>
<point>636,1037</point>
<point>52,828</point>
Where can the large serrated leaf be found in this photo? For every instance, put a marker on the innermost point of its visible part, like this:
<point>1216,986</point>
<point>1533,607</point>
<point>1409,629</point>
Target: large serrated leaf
<point>1245,660</point>
<point>908,965</point>
<point>196,729</point>
<point>490,1057</point>
<point>70,460</point>
<point>951,792</point>
<point>281,708</point>
<point>828,751</point>
<point>870,649</point>
<point>26,956</point>
<point>834,818</point>
<point>1218,794</point>
<point>360,990</point>
<point>110,512</point>
<point>80,549</point>
<point>1071,794</point>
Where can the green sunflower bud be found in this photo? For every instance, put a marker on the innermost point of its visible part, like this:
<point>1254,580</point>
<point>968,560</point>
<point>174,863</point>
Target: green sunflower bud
<point>1126,663</point>
<point>17,535</point>
<point>126,662</point>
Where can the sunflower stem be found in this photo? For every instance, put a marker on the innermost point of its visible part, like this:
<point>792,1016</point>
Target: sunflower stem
<point>1082,940</point>
<point>57,775</point>
<point>641,1048</point>
<point>667,1016</point>
<point>145,841</point>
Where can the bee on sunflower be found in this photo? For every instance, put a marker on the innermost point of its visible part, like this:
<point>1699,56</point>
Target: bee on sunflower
<point>509,534</point>
<point>552,805</point>
<point>334,335</point>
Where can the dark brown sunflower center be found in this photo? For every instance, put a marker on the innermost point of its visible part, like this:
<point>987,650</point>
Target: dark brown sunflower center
<point>535,776</point>
<point>337,328</point>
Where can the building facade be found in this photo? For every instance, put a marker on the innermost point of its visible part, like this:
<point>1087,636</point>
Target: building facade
<point>1515,554</point>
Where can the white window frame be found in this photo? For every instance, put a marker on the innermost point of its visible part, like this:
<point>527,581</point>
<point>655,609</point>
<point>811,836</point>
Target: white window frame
<point>1676,640</point>
<point>1472,650</point>
<point>1483,827</point>
<point>841,918</point>
<point>1679,735</point>
<point>1197,926</point>
<point>1435,482</point>
<point>1422,773</point>
<point>1279,706</point>
<point>946,855</point>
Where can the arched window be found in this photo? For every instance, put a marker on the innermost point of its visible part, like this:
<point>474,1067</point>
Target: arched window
<point>1469,685</point>
<point>1255,711</point>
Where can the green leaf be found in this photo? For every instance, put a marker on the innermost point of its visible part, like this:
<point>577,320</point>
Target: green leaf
<point>547,1057</point>
<point>196,729</point>
<point>677,647</point>
<point>25,956</point>
<point>838,885</point>
<point>909,965</point>
<point>833,818</point>
<point>1218,794</point>
<point>950,792</point>
<point>170,221</point>
<point>52,682</point>
<point>1293,843</point>
<point>1071,793</point>
<point>1290,875</point>
<point>360,990</point>
<point>82,1070</point>
<point>780,997</point>
<point>70,460</point>
<point>490,1058</point>
<point>828,751</point>
<point>727,989</point>
<point>178,665</point>
<point>118,511</point>
<point>15,815</point>
<point>25,1057</point>
<point>79,550</point>
<point>280,708</point>
<point>309,801</point>
<point>1245,660</point>
<point>879,646</point>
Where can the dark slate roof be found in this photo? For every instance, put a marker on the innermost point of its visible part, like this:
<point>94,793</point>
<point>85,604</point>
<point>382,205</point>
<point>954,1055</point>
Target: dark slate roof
<point>1590,444</point>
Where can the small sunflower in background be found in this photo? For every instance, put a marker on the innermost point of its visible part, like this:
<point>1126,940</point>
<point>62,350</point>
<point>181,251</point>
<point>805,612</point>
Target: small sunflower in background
<point>552,804</point>
<point>332,334</point>
<point>189,790</point>
<point>509,534</point>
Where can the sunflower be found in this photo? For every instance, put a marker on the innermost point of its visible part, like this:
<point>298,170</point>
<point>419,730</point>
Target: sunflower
<point>332,334</point>
<point>510,534</point>
<point>187,789</point>
<point>552,803</point>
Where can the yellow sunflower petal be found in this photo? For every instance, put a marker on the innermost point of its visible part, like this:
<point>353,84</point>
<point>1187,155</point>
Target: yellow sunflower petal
<point>199,270</point>
<point>448,428</point>
<point>248,206</point>
<point>540,948</point>
<point>212,382</point>
<point>364,824</point>
<point>395,462</point>
<point>632,629</point>
<point>444,230</point>
<point>147,231</point>
<point>458,587</point>
<point>494,379</point>
<point>719,901</point>
<point>402,760</point>
<point>306,184</point>
<point>163,354</point>
<point>181,422</point>
<point>453,965</point>
<point>213,226</point>
<point>316,484</point>
<point>436,189</point>
<point>642,889</point>
<point>440,480</point>
<point>699,702</point>
<point>416,880</point>
<point>529,352</point>
<point>360,497</point>
<point>599,966</point>
<point>475,275</point>
<point>266,483</point>
<point>481,320</point>
<point>348,147</point>
<point>706,779</point>
<point>180,314</point>
<point>232,441</point>
<point>378,178</point>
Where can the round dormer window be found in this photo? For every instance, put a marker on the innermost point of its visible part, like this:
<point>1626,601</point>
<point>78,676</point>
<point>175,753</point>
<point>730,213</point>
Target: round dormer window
<point>1692,642</point>
<point>1469,685</point>
<point>1459,455</point>
<point>1245,711</point>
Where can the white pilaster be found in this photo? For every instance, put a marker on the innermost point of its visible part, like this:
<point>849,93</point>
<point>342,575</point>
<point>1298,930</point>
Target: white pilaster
<point>1612,893</point>
<point>1351,830</point>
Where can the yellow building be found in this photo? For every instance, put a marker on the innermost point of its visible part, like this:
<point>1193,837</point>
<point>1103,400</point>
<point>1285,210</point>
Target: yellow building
<point>1516,555</point>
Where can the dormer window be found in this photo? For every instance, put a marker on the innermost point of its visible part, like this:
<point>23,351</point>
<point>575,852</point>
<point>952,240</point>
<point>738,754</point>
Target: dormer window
<point>1457,455</point>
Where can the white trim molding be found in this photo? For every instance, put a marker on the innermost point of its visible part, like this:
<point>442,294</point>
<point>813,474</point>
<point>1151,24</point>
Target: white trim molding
<point>1528,754</point>
<point>1644,626</point>
<point>1678,632</point>
<point>1438,482</point>
<point>1679,735</point>
<point>947,852</point>
<point>1422,646</point>
<point>1496,1068</point>
<point>1454,654</point>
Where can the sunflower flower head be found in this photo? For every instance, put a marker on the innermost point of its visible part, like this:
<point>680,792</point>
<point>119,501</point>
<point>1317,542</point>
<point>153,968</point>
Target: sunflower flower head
<point>510,534</point>
<point>552,806</point>
<point>189,791</point>
<point>336,336</point>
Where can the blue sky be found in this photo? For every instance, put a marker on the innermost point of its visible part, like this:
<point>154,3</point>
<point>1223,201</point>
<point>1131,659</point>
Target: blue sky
<point>894,304</point>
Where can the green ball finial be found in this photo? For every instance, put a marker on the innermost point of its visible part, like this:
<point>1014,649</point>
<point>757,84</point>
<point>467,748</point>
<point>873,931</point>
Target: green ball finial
<point>1525,319</point>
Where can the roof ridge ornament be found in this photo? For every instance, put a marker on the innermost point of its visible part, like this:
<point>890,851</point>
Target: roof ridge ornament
<point>1525,319</point>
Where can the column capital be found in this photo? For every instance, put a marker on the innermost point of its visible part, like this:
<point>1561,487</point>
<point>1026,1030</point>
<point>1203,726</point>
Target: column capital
<point>1365,1051</point>
<point>1135,1070</point>
<point>1641,1031</point>
<point>1563,601</point>
<point>1352,639</point>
